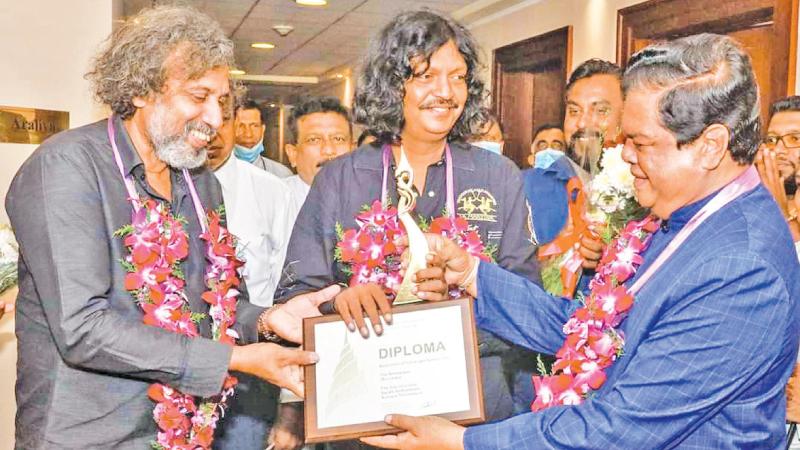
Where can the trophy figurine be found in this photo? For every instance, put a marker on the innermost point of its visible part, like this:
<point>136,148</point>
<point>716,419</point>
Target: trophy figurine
<point>417,244</point>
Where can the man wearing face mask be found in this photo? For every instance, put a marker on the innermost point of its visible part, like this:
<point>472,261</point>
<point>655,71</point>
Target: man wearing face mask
<point>491,138</point>
<point>554,185</point>
<point>250,127</point>
<point>548,142</point>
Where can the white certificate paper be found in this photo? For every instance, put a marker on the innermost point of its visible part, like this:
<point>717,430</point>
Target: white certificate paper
<point>417,367</point>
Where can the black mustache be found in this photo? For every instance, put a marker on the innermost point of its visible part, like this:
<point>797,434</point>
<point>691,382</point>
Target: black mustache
<point>439,104</point>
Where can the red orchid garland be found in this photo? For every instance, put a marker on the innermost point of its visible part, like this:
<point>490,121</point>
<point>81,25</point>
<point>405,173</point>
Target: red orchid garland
<point>158,243</point>
<point>593,342</point>
<point>371,253</point>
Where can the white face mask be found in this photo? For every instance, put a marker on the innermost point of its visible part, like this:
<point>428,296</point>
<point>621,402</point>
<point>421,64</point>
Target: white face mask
<point>545,158</point>
<point>494,147</point>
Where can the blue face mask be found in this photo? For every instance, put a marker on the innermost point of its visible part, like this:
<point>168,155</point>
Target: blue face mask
<point>248,154</point>
<point>545,158</point>
<point>494,147</point>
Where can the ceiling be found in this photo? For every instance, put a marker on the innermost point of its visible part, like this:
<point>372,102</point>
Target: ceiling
<point>326,40</point>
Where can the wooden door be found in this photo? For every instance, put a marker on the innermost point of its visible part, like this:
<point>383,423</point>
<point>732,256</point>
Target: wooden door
<point>766,29</point>
<point>516,112</point>
<point>528,88</point>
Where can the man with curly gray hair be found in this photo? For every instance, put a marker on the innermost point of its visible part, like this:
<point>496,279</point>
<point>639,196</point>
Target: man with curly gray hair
<point>115,345</point>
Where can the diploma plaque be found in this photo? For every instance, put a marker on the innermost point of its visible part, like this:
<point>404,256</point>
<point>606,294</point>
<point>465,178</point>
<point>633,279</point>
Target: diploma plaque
<point>425,363</point>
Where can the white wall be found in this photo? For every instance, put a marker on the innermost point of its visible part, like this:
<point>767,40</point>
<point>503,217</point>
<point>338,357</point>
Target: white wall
<point>594,27</point>
<point>47,45</point>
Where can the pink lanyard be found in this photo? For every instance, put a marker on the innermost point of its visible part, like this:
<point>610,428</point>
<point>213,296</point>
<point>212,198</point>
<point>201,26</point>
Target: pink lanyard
<point>744,183</point>
<point>448,159</point>
<point>133,195</point>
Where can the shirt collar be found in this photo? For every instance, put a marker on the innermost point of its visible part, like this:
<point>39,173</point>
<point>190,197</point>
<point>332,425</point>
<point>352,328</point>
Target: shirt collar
<point>227,171</point>
<point>130,157</point>
<point>372,157</point>
<point>561,168</point>
<point>681,216</point>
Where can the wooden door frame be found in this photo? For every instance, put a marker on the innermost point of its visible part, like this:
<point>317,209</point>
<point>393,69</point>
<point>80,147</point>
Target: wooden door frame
<point>654,20</point>
<point>529,55</point>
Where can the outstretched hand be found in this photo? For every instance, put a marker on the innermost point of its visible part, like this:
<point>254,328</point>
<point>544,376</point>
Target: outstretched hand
<point>287,320</point>
<point>278,365</point>
<point>420,433</point>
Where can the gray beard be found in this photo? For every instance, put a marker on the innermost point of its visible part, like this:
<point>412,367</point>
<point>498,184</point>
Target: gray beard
<point>174,150</point>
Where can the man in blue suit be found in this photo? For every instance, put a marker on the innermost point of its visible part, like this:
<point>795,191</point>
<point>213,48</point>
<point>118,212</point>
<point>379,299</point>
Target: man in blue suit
<point>713,334</point>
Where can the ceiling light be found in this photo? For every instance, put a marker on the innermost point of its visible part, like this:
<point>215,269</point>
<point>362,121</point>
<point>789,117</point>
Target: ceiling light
<point>263,45</point>
<point>338,75</point>
<point>283,30</point>
<point>236,72</point>
<point>272,105</point>
<point>311,2</point>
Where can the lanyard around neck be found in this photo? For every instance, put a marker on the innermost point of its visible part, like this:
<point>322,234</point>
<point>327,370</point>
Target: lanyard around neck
<point>133,196</point>
<point>448,159</point>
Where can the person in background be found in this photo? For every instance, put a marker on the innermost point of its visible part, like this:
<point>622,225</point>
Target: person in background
<point>260,213</point>
<point>777,162</point>
<point>549,139</point>
<point>554,185</point>
<point>250,128</point>
<point>320,130</point>
<point>491,137</point>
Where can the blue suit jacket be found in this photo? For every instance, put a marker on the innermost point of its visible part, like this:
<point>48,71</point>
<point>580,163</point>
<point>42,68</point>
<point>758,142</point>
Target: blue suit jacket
<point>710,343</point>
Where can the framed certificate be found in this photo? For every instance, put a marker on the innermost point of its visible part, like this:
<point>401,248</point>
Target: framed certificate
<point>425,363</point>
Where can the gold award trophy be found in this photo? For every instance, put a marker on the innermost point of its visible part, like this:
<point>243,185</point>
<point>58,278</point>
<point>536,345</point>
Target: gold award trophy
<point>417,244</point>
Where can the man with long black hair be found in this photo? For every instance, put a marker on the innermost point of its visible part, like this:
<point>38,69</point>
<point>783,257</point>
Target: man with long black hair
<point>419,91</point>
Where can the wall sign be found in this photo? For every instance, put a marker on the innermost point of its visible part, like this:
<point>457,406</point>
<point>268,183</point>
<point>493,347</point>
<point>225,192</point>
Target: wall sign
<point>29,125</point>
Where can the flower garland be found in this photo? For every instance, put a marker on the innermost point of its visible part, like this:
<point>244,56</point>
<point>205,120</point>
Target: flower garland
<point>593,342</point>
<point>610,205</point>
<point>157,244</point>
<point>371,252</point>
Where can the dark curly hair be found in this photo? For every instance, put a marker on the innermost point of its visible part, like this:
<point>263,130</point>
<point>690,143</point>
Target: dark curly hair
<point>705,79</point>
<point>387,66</point>
<point>133,61</point>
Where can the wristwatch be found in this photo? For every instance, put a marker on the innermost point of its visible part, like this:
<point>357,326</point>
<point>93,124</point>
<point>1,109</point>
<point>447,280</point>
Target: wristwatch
<point>263,327</point>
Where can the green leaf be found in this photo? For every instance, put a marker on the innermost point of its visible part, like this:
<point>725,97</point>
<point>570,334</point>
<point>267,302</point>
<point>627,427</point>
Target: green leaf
<point>339,231</point>
<point>178,271</point>
<point>424,224</point>
<point>541,367</point>
<point>198,317</point>
<point>337,255</point>
<point>156,446</point>
<point>123,231</point>
<point>551,277</point>
<point>129,267</point>
<point>490,251</point>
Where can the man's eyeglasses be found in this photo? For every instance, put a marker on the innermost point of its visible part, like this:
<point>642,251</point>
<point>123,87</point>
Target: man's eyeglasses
<point>790,140</point>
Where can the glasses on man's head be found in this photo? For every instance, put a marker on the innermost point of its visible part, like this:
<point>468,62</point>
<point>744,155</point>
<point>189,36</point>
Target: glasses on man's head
<point>790,140</point>
<point>554,144</point>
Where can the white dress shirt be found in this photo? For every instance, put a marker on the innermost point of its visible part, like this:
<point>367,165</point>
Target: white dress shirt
<point>260,213</point>
<point>299,190</point>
